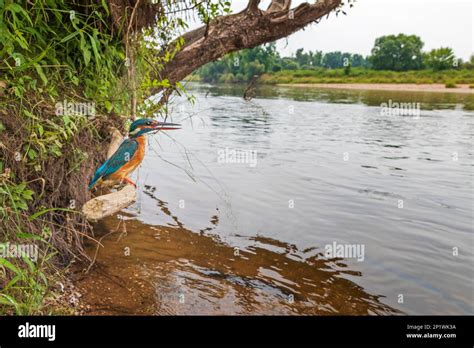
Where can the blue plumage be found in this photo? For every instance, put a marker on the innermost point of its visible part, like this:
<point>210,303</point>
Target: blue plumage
<point>116,168</point>
<point>124,153</point>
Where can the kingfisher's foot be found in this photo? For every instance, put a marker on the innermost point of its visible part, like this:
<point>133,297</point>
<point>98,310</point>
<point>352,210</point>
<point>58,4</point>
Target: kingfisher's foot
<point>129,181</point>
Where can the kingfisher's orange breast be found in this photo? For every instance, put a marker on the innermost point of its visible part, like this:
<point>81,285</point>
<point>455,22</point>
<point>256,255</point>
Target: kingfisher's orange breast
<point>133,163</point>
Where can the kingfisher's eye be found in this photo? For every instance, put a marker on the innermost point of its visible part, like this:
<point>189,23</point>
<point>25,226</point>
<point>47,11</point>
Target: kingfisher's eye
<point>148,123</point>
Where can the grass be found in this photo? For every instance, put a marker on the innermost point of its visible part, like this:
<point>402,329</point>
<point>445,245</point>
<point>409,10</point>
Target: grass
<point>27,269</point>
<point>450,84</point>
<point>361,75</point>
<point>44,153</point>
<point>56,52</point>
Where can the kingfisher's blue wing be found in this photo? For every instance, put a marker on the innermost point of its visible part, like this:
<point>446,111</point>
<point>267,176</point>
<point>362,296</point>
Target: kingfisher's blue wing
<point>124,153</point>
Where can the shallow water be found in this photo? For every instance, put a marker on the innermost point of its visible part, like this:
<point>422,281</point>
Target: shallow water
<point>249,238</point>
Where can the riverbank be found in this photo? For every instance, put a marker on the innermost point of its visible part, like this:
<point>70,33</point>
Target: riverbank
<point>368,76</point>
<point>405,87</point>
<point>450,78</point>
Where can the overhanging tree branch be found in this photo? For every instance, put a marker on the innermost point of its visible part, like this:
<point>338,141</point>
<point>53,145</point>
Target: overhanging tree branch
<point>246,29</point>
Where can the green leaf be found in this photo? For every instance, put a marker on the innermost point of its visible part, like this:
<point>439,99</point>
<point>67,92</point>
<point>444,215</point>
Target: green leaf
<point>24,235</point>
<point>41,74</point>
<point>10,266</point>
<point>40,130</point>
<point>70,36</point>
<point>32,154</point>
<point>8,300</point>
<point>15,8</point>
<point>30,264</point>
<point>21,205</point>
<point>94,49</point>
<point>42,212</point>
<point>43,277</point>
<point>108,105</point>
<point>27,194</point>
<point>105,6</point>
<point>12,282</point>
<point>86,53</point>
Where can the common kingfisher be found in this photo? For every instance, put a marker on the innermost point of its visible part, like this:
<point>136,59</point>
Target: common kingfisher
<point>130,153</point>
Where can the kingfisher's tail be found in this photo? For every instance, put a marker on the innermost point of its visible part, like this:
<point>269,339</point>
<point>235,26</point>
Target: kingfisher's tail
<point>91,184</point>
<point>99,173</point>
<point>94,181</point>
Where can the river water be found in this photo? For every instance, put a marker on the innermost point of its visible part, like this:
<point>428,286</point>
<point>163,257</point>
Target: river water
<point>319,169</point>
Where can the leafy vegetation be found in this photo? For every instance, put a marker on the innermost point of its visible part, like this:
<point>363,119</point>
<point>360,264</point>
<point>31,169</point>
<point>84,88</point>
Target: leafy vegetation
<point>394,59</point>
<point>397,53</point>
<point>55,54</point>
<point>243,65</point>
<point>49,53</point>
<point>440,59</point>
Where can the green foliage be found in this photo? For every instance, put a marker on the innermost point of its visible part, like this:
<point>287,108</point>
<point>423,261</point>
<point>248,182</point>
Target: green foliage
<point>14,197</point>
<point>347,70</point>
<point>397,52</point>
<point>440,59</point>
<point>24,283</point>
<point>241,66</point>
<point>29,285</point>
<point>336,60</point>
<point>401,53</point>
<point>244,65</point>
<point>39,46</point>
<point>469,64</point>
<point>451,84</point>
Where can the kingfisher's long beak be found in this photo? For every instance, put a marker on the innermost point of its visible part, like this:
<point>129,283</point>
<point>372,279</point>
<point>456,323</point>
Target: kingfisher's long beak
<point>167,126</point>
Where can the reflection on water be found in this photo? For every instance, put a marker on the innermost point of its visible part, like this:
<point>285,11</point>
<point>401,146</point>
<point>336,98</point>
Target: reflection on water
<point>176,271</point>
<point>330,169</point>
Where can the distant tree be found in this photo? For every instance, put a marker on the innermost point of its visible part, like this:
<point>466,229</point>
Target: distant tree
<point>469,64</point>
<point>357,60</point>
<point>398,53</point>
<point>333,60</point>
<point>301,57</point>
<point>347,69</point>
<point>243,65</point>
<point>289,64</point>
<point>336,60</point>
<point>254,68</point>
<point>440,59</point>
<point>317,59</point>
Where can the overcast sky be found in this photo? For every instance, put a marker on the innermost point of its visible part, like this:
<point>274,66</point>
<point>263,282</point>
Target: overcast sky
<point>437,22</point>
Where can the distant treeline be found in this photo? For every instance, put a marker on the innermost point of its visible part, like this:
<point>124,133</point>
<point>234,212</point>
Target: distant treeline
<point>391,53</point>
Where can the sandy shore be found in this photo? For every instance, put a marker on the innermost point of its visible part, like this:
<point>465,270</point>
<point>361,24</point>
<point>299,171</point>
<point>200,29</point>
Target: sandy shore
<point>437,88</point>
